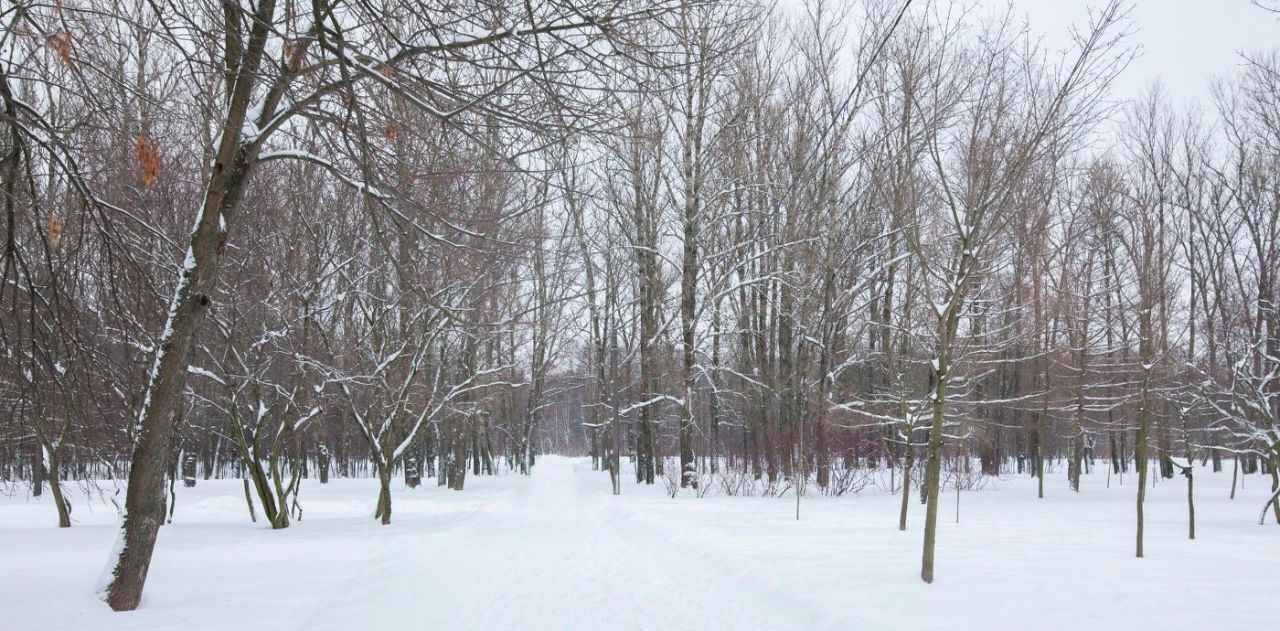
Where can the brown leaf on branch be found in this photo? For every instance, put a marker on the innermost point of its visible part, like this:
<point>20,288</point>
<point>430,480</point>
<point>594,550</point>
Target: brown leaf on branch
<point>55,231</point>
<point>148,160</point>
<point>60,42</point>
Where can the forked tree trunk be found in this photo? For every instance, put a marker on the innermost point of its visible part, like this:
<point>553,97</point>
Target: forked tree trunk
<point>263,488</point>
<point>383,512</point>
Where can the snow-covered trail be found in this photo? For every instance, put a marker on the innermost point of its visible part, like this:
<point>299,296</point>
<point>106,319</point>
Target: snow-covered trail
<point>556,551</point>
<point>546,557</point>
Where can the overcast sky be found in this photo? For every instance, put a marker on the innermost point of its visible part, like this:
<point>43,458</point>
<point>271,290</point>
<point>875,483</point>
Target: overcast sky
<point>1183,42</point>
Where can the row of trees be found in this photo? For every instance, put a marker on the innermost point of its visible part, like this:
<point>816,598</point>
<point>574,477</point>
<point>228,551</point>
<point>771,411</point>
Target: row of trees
<point>934,239</point>
<point>276,239</point>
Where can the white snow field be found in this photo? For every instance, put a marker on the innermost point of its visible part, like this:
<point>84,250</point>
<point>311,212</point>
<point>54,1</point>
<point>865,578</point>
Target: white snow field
<point>557,551</point>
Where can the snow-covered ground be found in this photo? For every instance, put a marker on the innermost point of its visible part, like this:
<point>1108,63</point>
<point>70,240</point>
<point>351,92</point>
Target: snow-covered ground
<point>556,551</point>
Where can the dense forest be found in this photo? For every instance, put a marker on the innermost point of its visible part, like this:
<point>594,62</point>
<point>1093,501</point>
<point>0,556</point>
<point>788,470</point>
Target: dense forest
<point>718,245</point>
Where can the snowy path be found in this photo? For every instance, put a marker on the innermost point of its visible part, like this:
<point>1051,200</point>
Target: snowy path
<point>547,559</point>
<point>557,551</point>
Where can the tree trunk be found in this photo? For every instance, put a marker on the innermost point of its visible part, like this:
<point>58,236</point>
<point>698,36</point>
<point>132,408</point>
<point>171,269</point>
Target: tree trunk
<point>37,470</point>
<point>1075,460</point>
<point>1191,504</point>
<point>1275,491</point>
<point>906,483</point>
<point>144,504</point>
<point>412,473</point>
<point>1144,415</point>
<point>55,489</point>
<point>322,463</point>
<point>458,458</point>
<point>383,512</point>
<point>189,469</point>
<point>933,471</point>
<point>248,500</point>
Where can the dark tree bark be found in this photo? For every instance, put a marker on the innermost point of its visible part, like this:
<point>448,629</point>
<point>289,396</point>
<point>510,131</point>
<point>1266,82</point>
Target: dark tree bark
<point>144,504</point>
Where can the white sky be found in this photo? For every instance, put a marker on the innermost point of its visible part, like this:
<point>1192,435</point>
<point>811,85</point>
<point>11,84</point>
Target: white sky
<point>1184,43</point>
